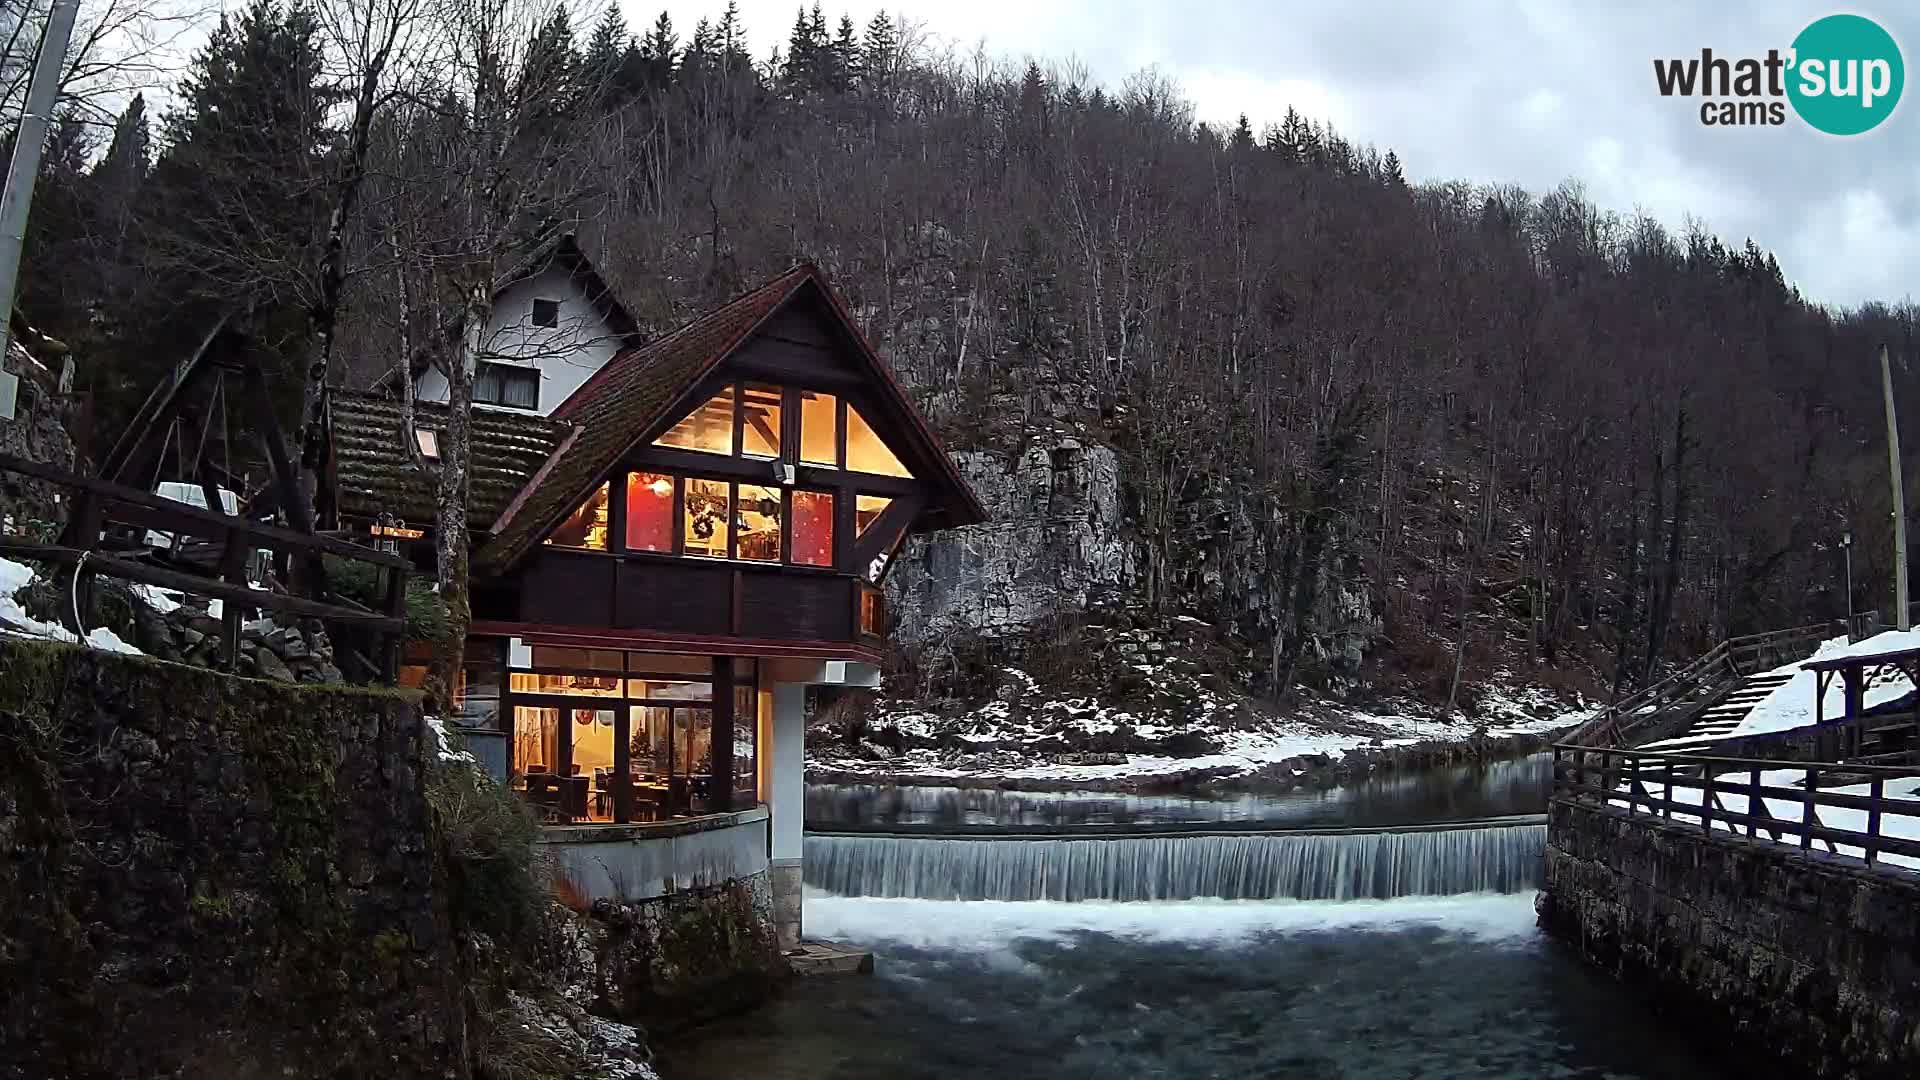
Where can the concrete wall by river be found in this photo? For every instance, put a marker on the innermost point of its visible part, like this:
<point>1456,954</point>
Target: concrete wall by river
<point>1810,959</point>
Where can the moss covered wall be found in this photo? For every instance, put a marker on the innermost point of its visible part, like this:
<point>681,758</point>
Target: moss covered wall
<point>203,875</point>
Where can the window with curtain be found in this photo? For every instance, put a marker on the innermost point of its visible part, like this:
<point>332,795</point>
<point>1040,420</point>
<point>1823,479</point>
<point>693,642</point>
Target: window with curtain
<point>506,384</point>
<point>813,528</point>
<point>585,527</point>
<point>649,512</point>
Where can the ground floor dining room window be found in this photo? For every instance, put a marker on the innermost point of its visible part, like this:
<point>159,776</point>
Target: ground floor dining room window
<point>612,736</point>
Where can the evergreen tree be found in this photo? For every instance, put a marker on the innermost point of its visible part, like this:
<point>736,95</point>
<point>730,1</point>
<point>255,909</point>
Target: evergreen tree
<point>730,38</point>
<point>877,54</point>
<point>600,65</point>
<point>1242,140</point>
<point>1390,170</point>
<point>845,53</point>
<point>549,77</point>
<point>702,56</point>
<point>243,153</point>
<point>117,178</point>
<point>658,50</point>
<point>1031,124</point>
<point>809,68</point>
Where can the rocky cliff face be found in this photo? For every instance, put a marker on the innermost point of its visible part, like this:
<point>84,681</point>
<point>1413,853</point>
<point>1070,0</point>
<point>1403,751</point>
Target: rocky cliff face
<point>1064,541</point>
<point>1057,543</point>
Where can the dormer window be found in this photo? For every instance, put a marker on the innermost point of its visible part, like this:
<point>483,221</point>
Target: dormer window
<point>546,312</point>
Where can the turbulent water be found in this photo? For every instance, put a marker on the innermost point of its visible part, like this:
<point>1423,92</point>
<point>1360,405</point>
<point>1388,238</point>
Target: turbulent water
<point>1369,865</point>
<point>1496,789</point>
<point>1384,955</point>
<point>1459,988</point>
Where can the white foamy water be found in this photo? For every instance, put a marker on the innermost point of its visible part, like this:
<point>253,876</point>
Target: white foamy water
<point>972,925</point>
<point>1349,866</point>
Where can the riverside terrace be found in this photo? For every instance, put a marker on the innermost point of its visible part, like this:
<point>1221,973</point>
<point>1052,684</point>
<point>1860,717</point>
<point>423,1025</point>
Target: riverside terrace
<point>666,552</point>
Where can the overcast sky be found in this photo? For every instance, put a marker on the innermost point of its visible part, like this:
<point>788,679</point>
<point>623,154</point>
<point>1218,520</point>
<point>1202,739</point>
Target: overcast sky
<point>1522,92</point>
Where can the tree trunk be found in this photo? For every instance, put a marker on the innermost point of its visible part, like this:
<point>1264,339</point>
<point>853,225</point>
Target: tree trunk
<point>1662,612</point>
<point>451,527</point>
<point>323,319</point>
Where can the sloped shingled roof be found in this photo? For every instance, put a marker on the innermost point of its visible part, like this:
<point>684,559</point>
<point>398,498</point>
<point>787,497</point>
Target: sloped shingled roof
<point>614,407</point>
<point>373,474</point>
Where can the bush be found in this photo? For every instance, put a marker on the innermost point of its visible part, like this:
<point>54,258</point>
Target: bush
<point>486,836</point>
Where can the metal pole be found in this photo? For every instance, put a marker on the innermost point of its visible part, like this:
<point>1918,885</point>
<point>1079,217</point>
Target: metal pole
<point>28,141</point>
<point>1846,547</point>
<point>1899,498</point>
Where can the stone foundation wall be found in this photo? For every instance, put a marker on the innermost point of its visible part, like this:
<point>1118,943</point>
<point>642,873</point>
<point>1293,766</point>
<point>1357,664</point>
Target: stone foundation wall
<point>674,961</point>
<point>207,876</point>
<point>1808,959</point>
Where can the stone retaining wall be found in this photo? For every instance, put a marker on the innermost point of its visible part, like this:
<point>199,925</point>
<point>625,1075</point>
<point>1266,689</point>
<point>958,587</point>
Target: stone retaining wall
<point>1813,960</point>
<point>208,876</point>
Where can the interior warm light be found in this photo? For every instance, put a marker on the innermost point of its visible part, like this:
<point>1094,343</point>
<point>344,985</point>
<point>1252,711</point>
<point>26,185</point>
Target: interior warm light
<point>662,487</point>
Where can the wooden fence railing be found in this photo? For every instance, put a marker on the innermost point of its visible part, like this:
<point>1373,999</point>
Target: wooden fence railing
<point>98,504</point>
<point>1696,789</point>
<point>1717,670</point>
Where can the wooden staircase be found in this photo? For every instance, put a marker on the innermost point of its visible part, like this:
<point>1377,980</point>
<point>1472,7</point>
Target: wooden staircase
<point>1719,718</point>
<point>1722,686</point>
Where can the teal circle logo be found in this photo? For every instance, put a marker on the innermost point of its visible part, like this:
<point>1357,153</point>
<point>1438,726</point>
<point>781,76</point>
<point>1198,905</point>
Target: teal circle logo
<point>1847,74</point>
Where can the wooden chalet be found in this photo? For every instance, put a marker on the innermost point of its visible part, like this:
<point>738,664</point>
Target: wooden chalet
<point>666,550</point>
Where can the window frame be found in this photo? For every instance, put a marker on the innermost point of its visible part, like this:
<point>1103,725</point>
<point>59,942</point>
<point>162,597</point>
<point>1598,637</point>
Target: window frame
<point>519,371</point>
<point>533,312</point>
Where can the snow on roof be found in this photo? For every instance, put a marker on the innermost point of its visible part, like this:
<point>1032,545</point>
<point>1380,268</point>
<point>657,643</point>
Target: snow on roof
<point>1889,643</point>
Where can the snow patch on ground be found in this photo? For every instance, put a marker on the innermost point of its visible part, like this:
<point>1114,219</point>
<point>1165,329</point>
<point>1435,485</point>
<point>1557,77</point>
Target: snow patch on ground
<point>1187,727</point>
<point>15,621</point>
<point>442,745</point>
<point>1848,819</point>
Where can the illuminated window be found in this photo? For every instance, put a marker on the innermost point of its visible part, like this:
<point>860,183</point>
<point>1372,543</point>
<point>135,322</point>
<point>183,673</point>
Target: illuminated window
<point>708,521</point>
<point>873,611</point>
<point>819,435</point>
<point>760,421</point>
<point>867,510</point>
<point>585,527</point>
<point>757,519</point>
<point>865,452</point>
<point>708,429</point>
<point>649,512</point>
<point>429,442</point>
<point>813,528</point>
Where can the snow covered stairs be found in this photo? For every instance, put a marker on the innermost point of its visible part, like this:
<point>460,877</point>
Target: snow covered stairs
<point>1721,717</point>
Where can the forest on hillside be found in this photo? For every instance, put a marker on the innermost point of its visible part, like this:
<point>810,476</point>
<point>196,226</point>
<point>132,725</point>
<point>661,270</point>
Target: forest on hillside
<point>1521,415</point>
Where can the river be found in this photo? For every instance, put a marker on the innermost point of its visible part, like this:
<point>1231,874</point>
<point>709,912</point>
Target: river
<point>1365,955</point>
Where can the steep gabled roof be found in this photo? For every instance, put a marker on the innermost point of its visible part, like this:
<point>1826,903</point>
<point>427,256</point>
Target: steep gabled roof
<point>619,405</point>
<point>562,250</point>
<point>372,473</point>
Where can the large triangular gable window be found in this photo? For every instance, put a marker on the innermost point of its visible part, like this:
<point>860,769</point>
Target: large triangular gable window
<point>708,429</point>
<point>866,453</point>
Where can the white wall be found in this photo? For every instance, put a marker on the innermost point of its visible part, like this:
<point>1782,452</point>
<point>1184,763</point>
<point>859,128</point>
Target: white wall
<point>566,354</point>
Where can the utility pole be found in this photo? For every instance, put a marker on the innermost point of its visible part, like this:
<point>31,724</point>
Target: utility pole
<point>28,141</point>
<point>1899,498</point>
